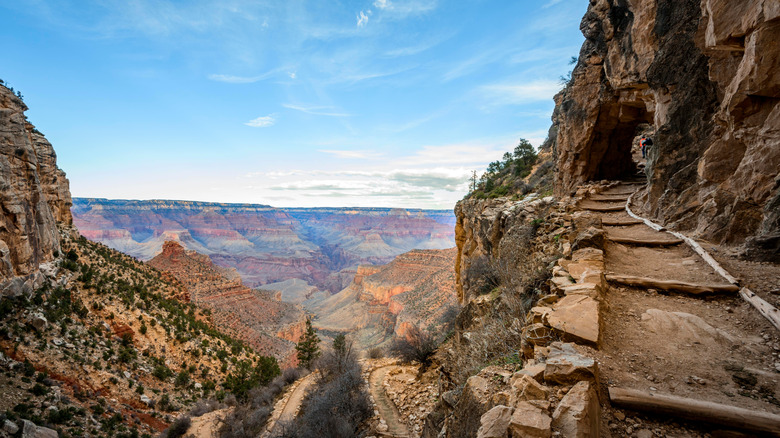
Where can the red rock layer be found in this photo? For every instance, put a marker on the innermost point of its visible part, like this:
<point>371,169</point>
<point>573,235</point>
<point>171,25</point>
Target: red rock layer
<point>267,324</point>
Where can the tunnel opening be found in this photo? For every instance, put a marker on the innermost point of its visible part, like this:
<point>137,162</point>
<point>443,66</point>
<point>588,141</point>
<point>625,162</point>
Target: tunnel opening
<point>614,150</point>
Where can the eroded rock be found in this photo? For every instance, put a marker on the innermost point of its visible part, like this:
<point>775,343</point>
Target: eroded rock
<point>578,413</point>
<point>495,422</point>
<point>529,421</point>
<point>566,365</point>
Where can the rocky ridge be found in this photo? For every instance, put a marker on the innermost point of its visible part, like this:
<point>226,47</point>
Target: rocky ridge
<point>260,318</point>
<point>701,76</point>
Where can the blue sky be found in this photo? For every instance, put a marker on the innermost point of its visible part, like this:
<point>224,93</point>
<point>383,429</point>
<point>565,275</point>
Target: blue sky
<point>288,103</point>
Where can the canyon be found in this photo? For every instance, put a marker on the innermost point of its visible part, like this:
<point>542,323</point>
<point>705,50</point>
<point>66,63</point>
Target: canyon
<point>266,244</point>
<point>260,318</point>
<point>416,291</point>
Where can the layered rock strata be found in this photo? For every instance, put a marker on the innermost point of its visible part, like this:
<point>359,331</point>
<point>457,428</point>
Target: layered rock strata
<point>266,244</point>
<point>414,291</point>
<point>260,318</point>
<point>34,196</point>
<point>702,77</point>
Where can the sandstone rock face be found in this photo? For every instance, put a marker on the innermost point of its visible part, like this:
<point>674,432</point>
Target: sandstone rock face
<point>483,229</point>
<point>266,244</point>
<point>529,421</point>
<point>566,365</point>
<point>578,413</point>
<point>702,75</point>
<point>271,326</point>
<point>34,196</point>
<point>495,422</point>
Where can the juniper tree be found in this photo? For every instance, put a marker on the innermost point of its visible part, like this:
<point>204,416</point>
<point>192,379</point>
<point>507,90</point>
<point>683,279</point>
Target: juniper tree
<point>308,346</point>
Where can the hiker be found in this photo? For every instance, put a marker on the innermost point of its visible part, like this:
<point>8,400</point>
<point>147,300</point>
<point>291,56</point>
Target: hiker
<point>645,142</point>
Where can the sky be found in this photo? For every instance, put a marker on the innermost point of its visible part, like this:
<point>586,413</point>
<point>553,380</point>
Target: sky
<point>373,103</point>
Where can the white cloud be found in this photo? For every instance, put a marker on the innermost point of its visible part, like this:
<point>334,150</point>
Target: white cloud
<point>292,75</point>
<point>262,122</point>
<point>362,18</point>
<point>352,154</point>
<point>517,94</point>
<point>316,110</point>
<point>382,4</point>
<point>242,79</point>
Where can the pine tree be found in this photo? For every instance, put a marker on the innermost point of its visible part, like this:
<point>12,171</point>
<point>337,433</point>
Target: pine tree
<point>308,346</point>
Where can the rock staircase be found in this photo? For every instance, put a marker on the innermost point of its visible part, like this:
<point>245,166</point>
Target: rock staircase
<point>615,261</point>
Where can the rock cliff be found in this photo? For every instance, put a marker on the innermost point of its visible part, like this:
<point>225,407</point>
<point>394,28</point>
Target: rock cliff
<point>34,196</point>
<point>701,76</point>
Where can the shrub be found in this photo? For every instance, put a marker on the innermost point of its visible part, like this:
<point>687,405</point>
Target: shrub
<point>178,428</point>
<point>182,379</point>
<point>162,372</point>
<point>417,346</point>
<point>337,408</point>
<point>376,353</point>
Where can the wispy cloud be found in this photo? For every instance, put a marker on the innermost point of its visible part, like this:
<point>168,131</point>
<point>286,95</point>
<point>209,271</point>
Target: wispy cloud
<point>242,79</point>
<point>382,4</point>
<point>352,154</point>
<point>262,122</point>
<point>362,18</point>
<point>316,110</point>
<point>517,94</point>
<point>405,8</point>
<point>551,3</point>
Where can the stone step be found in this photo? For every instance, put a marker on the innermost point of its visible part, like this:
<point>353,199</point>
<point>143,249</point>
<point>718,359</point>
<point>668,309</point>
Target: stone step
<point>604,208</point>
<point>645,242</point>
<point>619,222</point>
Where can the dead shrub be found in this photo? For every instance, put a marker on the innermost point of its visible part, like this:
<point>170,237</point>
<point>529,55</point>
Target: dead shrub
<point>376,353</point>
<point>417,346</point>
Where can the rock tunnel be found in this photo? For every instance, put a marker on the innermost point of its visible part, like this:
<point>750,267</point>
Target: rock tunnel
<point>613,138</point>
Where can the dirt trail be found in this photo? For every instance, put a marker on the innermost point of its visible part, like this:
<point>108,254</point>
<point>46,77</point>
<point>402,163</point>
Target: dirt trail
<point>290,408</point>
<point>207,425</point>
<point>387,409</point>
<point>708,347</point>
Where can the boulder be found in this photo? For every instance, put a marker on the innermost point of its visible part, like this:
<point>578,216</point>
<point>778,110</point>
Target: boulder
<point>529,421</point>
<point>566,365</point>
<point>30,430</point>
<point>590,238</point>
<point>38,321</point>
<point>578,318</point>
<point>525,388</point>
<point>10,427</point>
<point>536,371</point>
<point>495,422</point>
<point>578,413</point>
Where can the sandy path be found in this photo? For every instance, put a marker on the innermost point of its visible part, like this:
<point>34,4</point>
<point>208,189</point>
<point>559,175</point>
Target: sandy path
<point>207,425</point>
<point>387,409</point>
<point>290,408</point>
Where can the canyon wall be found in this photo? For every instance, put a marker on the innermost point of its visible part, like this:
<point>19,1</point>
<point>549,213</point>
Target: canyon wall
<point>702,75</point>
<point>416,289</point>
<point>266,244</point>
<point>34,196</point>
<point>260,318</point>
